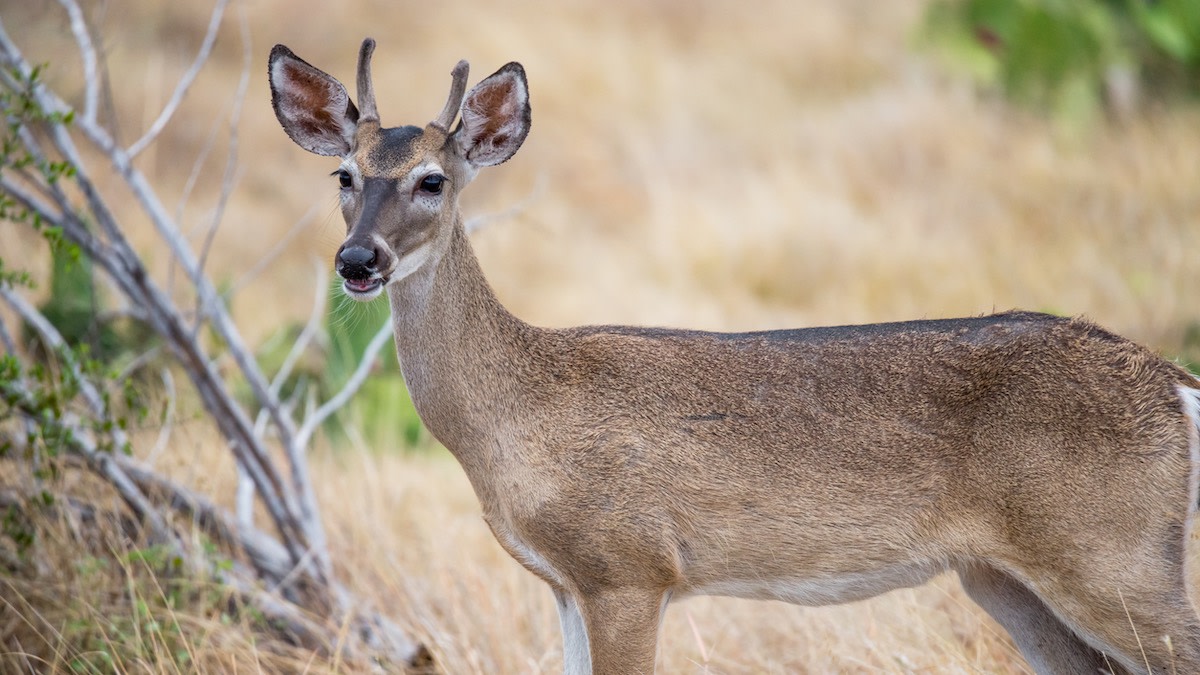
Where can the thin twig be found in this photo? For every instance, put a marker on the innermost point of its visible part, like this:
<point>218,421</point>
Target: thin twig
<point>293,521</point>
<point>79,440</point>
<point>311,328</point>
<point>229,177</point>
<point>272,255</point>
<point>87,53</point>
<point>184,84</point>
<point>314,421</point>
<point>10,347</point>
<point>477,223</point>
<point>1133,627</point>
<point>245,487</point>
<point>168,419</point>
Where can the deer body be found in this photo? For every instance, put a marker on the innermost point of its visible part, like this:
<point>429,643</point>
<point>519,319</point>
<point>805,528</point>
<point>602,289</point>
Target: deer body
<point>1051,464</point>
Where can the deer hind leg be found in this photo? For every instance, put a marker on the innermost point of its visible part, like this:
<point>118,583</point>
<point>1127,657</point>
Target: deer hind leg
<point>1149,625</point>
<point>622,629</point>
<point>1155,626</point>
<point>1048,644</point>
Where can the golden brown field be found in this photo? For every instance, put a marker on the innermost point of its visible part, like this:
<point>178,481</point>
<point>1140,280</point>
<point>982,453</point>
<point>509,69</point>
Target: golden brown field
<point>703,164</point>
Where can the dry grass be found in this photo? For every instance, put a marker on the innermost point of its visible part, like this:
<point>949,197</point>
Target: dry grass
<point>698,164</point>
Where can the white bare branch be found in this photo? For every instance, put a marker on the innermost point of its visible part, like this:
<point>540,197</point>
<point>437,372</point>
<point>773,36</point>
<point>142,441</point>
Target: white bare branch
<point>127,269</point>
<point>81,203</point>
<point>229,179</point>
<point>87,53</point>
<point>382,337</point>
<point>168,419</point>
<point>81,439</point>
<point>184,84</point>
<point>272,255</point>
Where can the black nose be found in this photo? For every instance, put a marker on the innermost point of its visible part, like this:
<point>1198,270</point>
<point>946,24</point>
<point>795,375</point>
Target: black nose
<point>356,262</point>
<point>357,255</point>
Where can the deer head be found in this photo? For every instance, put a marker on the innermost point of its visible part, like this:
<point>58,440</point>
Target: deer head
<point>400,185</point>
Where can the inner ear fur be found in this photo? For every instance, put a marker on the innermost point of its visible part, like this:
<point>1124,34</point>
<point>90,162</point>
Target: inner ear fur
<point>495,117</point>
<point>311,106</point>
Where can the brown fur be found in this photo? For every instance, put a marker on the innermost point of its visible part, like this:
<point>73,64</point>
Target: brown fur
<point>1048,462</point>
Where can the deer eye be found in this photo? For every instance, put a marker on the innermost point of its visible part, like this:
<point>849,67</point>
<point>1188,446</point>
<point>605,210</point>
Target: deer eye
<point>345,180</point>
<point>433,183</point>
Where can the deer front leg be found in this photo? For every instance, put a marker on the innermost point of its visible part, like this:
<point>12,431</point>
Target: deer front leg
<point>577,658</point>
<point>622,629</point>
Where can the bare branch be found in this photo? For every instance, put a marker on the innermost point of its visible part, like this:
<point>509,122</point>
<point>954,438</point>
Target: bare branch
<point>311,328</point>
<point>164,433</point>
<point>294,511</point>
<point>78,204</point>
<point>6,339</point>
<point>126,268</point>
<point>314,421</point>
<point>245,488</point>
<point>184,84</point>
<point>280,246</point>
<point>268,555</point>
<point>479,222</point>
<point>81,438</point>
<point>231,161</point>
<point>138,284</point>
<point>87,53</point>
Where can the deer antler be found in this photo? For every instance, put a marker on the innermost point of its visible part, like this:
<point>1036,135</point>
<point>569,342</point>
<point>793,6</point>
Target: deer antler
<point>367,109</point>
<point>457,89</point>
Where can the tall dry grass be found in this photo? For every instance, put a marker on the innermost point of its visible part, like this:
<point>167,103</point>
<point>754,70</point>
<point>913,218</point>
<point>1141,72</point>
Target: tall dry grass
<point>702,164</point>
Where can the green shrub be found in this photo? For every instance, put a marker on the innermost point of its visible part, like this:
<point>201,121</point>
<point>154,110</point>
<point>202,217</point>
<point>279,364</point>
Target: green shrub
<point>1062,55</point>
<point>382,412</point>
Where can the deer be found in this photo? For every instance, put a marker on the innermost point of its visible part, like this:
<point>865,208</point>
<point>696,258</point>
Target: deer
<point>1051,464</point>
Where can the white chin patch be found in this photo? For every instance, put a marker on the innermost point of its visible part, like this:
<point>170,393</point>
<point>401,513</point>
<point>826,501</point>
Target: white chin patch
<point>410,262</point>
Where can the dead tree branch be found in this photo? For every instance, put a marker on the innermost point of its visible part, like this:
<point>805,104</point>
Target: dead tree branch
<point>62,180</point>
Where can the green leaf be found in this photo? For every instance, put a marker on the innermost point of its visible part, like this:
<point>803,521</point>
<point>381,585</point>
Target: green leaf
<point>1166,32</point>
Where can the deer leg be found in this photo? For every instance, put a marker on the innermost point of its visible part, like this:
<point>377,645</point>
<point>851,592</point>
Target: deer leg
<point>1152,621</point>
<point>1049,645</point>
<point>622,629</point>
<point>1135,608</point>
<point>1168,634</point>
<point>577,659</point>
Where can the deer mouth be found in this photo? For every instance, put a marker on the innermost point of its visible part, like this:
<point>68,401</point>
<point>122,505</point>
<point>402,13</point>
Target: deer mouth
<point>363,289</point>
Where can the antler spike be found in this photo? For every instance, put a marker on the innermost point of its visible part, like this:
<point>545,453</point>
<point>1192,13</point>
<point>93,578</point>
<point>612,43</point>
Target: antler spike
<point>458,88</point>
<point>367,109</point>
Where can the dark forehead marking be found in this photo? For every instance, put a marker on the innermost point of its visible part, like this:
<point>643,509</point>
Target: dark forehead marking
<point>392,148</point>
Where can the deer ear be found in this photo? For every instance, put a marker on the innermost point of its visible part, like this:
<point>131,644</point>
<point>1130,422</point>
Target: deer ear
<point>495,117</point>
<point>312,106</point>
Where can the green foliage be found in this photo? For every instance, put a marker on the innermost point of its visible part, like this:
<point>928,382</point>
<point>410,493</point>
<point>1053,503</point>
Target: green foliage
<point>76,309</point>
<point>49,396</point>
<point>350,325</point>
<point>144,628</point>
<point>23,115</point>
<point>382,411</point>
<point>1190,355</point>
<point>1058,54</point>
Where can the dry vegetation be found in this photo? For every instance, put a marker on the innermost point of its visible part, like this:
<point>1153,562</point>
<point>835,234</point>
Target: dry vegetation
<point>699,164</point>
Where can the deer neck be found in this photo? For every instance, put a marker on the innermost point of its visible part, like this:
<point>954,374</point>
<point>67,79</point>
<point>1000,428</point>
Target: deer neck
<point>465,358</point>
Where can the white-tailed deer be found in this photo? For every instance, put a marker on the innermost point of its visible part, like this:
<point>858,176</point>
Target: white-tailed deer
<point>1051,464</point>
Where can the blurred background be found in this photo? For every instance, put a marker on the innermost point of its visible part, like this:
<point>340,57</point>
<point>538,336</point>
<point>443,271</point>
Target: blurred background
<point>702,164</point>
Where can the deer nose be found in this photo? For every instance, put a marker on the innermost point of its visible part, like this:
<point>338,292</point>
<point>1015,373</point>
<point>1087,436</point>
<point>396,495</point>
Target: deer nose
<point>357,255</point>
<point>356,262</point>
